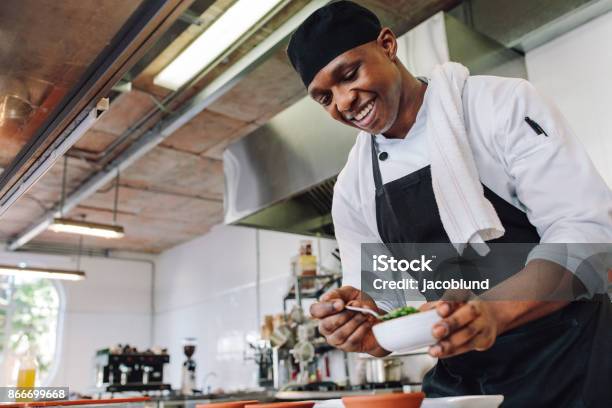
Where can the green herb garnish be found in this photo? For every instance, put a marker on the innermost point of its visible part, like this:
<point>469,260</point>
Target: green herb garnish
<point>399,312</point>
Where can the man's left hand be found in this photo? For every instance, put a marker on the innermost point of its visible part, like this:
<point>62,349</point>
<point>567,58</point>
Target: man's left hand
<point>465,326</point>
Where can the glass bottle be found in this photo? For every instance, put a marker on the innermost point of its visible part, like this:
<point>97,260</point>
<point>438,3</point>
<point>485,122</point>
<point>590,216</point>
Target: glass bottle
<point>26,376</point>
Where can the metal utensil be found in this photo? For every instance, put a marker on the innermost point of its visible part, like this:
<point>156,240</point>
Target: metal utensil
<point>364,310</point>
<point>380,370</point>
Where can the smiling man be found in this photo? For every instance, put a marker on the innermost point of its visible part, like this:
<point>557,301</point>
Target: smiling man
<point>462,160</point>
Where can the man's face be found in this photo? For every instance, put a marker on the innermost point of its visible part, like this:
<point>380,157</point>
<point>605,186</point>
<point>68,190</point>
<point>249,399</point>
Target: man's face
<point>361,87</point>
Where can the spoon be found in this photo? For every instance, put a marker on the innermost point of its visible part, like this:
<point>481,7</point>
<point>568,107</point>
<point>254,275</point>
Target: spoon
<point>364,310</point>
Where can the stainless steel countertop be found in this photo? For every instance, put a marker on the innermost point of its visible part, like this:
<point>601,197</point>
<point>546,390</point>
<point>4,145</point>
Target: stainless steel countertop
<point>192,401</point>
<point>323,395</point>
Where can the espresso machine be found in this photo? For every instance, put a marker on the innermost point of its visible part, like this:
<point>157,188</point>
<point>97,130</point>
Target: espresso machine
<point>124,368</point>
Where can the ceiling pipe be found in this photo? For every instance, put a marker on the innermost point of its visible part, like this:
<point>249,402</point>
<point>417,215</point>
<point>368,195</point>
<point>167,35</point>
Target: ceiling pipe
<point>168,126</point>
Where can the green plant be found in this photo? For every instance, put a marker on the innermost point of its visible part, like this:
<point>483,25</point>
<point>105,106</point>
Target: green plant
<point>31,320</point>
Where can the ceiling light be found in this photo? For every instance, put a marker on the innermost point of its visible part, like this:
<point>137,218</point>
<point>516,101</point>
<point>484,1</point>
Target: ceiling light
<point>86,228</point>
<point>62,274</point>
<point>214,41</point>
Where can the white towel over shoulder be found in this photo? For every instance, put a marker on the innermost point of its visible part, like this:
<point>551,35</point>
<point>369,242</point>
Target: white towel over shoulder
<point>467,216</point>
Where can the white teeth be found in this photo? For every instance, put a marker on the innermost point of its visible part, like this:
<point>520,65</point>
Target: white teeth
<point>364,112</point>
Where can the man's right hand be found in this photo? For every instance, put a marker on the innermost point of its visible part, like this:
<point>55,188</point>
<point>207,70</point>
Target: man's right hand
<point>344,329</point>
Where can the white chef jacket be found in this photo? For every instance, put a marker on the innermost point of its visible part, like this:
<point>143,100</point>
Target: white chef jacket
<point>406,155</point>
<point>550,177</point>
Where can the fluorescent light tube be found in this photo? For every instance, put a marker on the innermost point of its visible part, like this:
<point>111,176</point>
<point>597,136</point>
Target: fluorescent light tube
<point>86,228</point>
<point>42,273</point>
<point>214,41</point>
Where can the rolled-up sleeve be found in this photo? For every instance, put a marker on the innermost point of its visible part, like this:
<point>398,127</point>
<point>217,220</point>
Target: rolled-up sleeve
<point>350,232</point>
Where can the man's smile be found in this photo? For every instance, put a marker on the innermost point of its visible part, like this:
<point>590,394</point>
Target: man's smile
<point>365,115</point>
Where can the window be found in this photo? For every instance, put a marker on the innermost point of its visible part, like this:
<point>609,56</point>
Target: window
<point>29,321</point>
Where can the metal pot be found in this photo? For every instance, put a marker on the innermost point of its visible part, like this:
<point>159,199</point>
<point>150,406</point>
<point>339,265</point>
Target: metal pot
<point>383,370</point>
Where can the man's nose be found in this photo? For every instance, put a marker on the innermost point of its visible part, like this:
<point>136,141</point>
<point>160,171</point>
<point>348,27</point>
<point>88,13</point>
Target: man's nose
<point>345,101</point>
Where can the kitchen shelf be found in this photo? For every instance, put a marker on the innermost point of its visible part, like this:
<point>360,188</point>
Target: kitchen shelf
<point>325,282</point>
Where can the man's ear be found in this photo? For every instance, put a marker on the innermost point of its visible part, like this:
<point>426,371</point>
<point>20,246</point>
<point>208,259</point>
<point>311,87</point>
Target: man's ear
<point>388,42</point>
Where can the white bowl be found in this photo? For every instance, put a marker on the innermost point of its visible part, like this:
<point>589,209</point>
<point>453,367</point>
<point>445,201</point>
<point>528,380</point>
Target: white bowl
<point>408,332</point>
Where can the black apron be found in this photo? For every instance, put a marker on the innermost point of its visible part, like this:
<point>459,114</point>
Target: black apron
<point>561,360</point>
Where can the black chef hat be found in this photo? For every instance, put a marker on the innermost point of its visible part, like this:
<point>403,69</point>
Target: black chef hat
<point>329,32</point>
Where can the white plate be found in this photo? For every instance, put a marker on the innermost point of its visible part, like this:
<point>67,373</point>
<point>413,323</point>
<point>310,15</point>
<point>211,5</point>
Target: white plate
<point>407,333</point>
<point>467,401</point>
<point>333,403</point>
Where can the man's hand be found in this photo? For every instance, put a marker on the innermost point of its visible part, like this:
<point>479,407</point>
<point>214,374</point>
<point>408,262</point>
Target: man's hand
<point>475,324</point>
<point>344,329</point>
<point>465,326</point>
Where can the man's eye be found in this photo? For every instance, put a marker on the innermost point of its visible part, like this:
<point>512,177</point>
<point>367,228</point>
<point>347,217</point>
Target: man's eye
<point>325,100</point>
<point>351,75</point>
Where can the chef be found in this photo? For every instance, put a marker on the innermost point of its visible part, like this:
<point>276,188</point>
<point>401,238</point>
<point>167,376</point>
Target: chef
<point>464,160</point>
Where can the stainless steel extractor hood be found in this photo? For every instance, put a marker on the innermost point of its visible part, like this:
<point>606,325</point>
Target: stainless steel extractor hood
<point>281,176</point>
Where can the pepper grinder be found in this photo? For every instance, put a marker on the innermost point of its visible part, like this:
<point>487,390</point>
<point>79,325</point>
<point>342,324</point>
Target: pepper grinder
<point>188,383</point>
